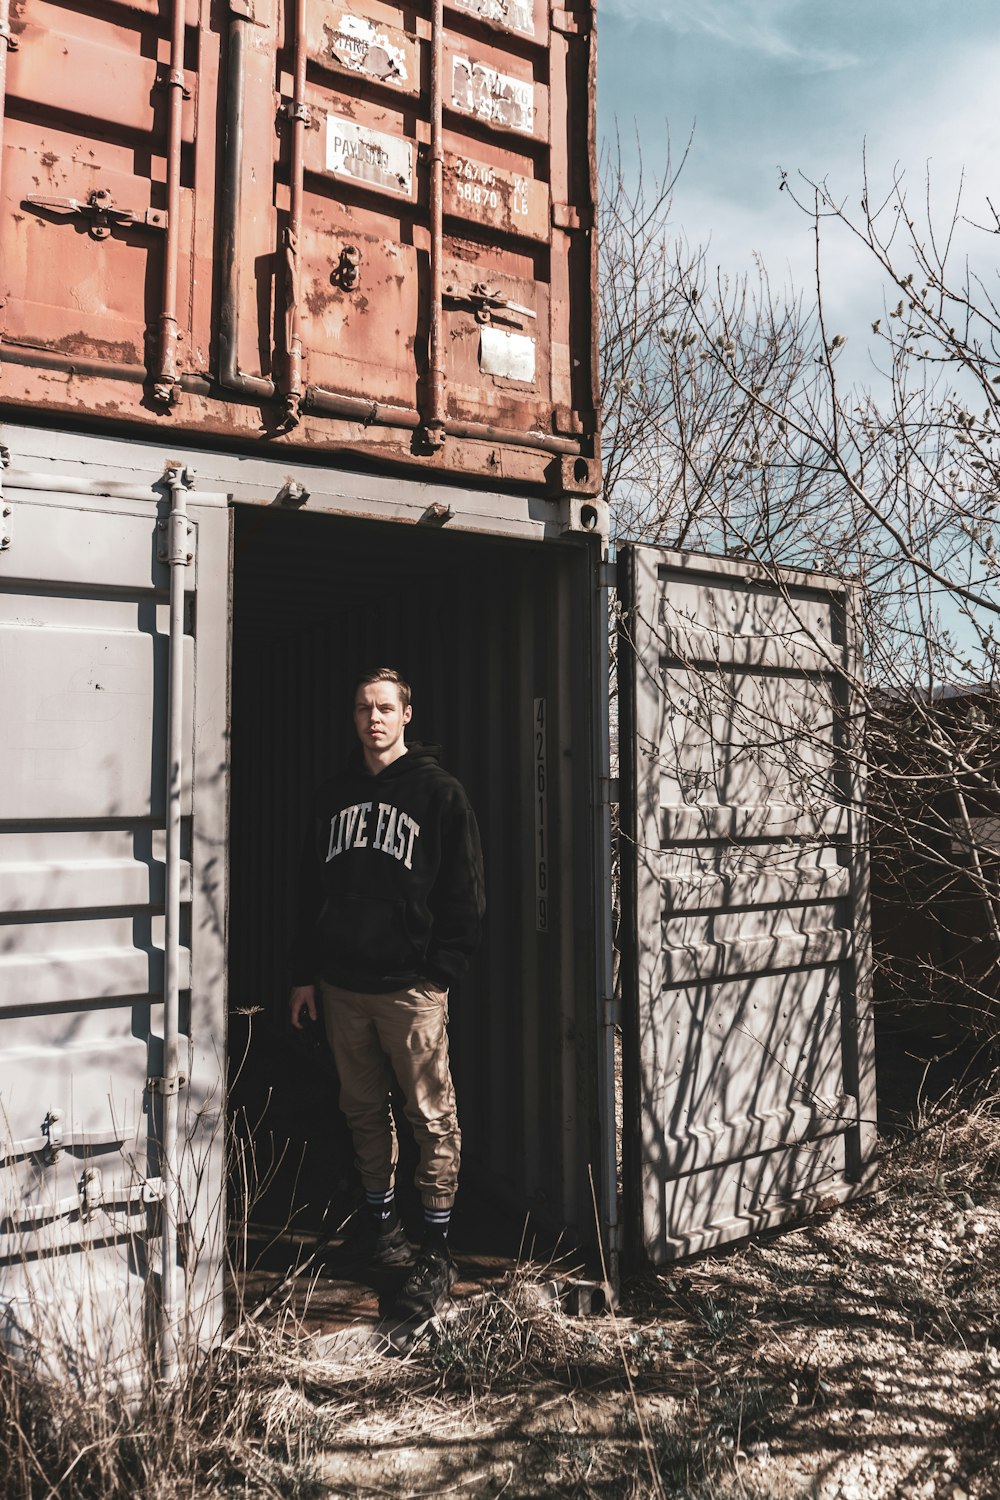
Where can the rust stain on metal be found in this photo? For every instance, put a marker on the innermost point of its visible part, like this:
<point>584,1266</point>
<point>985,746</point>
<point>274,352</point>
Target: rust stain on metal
<point>87,347</point>
<point>320,299</point>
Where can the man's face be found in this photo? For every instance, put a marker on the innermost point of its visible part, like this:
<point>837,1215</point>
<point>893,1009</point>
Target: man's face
<point>379,717</point>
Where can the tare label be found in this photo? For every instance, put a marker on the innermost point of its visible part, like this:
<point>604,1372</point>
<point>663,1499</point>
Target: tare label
<point>369,156</point>
<point>491,96</point>
<point>342,39</point>
<point>512,15</point>
<point>542,895</point>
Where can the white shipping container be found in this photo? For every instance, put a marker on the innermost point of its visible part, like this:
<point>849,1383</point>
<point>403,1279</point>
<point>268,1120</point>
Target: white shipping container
<point>745,1008</point>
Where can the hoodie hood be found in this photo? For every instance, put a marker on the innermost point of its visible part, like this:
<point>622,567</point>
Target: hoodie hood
<point>417,757</point>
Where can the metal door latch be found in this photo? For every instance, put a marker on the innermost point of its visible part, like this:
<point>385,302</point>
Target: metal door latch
<point>487,302</point>
<point>99,208</point>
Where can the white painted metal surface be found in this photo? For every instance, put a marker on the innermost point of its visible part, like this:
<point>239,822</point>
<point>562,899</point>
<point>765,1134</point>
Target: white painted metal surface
<point>750,1051</point>
<point>83,683</point>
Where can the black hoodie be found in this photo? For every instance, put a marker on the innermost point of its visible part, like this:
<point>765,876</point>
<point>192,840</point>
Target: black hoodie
<point>391,878</point>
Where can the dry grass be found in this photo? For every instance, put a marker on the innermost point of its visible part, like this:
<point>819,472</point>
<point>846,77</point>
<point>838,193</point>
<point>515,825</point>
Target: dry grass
<point>856,1357</point>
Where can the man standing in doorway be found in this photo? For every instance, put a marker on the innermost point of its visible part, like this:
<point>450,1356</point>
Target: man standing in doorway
<point>390,907</point>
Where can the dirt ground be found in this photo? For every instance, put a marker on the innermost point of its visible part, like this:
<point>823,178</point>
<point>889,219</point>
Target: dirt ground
<point>854,1358</point>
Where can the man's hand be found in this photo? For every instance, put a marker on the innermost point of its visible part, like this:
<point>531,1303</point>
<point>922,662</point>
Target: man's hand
<point>302,998</point>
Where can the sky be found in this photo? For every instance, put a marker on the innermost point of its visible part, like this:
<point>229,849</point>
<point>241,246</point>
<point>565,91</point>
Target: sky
<point>806,86</point>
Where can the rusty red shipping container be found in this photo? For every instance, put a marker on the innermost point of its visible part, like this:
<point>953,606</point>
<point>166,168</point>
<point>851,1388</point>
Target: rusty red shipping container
<point>352,226</point>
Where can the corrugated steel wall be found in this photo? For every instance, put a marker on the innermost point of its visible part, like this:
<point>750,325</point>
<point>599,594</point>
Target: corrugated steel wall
<point>482,630</point>
<point>344,227</point>
<point>749,1049</point>
<point>83,680</point>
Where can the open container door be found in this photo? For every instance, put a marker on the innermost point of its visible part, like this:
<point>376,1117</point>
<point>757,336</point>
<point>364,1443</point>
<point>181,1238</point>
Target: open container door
<point>748,1043</point>
<point>85,648</point>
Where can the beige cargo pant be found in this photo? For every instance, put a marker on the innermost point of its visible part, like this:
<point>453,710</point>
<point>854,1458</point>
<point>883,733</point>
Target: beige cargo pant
<point>404,1033</point>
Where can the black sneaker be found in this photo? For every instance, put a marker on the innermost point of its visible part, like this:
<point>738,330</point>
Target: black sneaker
<point>426,1289</point>
<point>375,1249</point>
<point>390,1247</point>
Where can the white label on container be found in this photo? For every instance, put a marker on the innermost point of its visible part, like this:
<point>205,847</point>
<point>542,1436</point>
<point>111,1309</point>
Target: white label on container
<point>540,774</point>
<point>492,96</point>
<point>358,44</point>
<point>509,355</point>
<point>515,15</point>
<point>369,156</point>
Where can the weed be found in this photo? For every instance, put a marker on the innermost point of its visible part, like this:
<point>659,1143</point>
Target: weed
<point>510,1333</point>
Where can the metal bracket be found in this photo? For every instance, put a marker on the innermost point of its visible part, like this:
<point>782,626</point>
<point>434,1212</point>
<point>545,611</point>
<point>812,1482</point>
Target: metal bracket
<point>99,208</point>
<point>487,302</point>
<point>289,110</point>
<point>610,789</point>
<point>52,1130</point>
<point>436,514</point>
<point>173,79</point>
<point>608,575</point>
<point>292,494</point>
<point>91,1191</point>
<point>164,547</point>
<point>612,1011</point>
<point>165,1086</point>
<point>152,1190</point>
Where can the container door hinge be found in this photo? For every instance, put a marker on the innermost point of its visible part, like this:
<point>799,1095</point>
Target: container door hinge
<point>613,1239</point>
<point>99,207</point>
<point>612,1011</point>
<point>607,578</point>
<point>180,547</point>
<point>610,790</point>
<point>164,1086</point>
<point>565,216</point>
<point>5,509</point>
<point>568,23</point>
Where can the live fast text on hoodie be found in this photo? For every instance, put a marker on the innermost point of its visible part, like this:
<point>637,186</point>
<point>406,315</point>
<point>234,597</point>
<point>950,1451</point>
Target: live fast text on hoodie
<point>391,878</point>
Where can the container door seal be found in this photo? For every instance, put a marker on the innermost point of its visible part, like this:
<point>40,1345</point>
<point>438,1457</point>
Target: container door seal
<point>748,1046</point>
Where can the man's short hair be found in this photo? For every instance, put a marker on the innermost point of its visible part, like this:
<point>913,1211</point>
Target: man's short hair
<point>385,674</point>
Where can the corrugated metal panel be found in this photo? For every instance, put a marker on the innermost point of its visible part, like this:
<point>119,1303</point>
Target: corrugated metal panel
<point>744,865</point>
<point>482,630</point>
<point>400,245</point>
<point>83,662</point>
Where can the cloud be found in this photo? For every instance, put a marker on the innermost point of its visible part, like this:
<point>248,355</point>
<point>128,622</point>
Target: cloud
<point>766,27</point>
